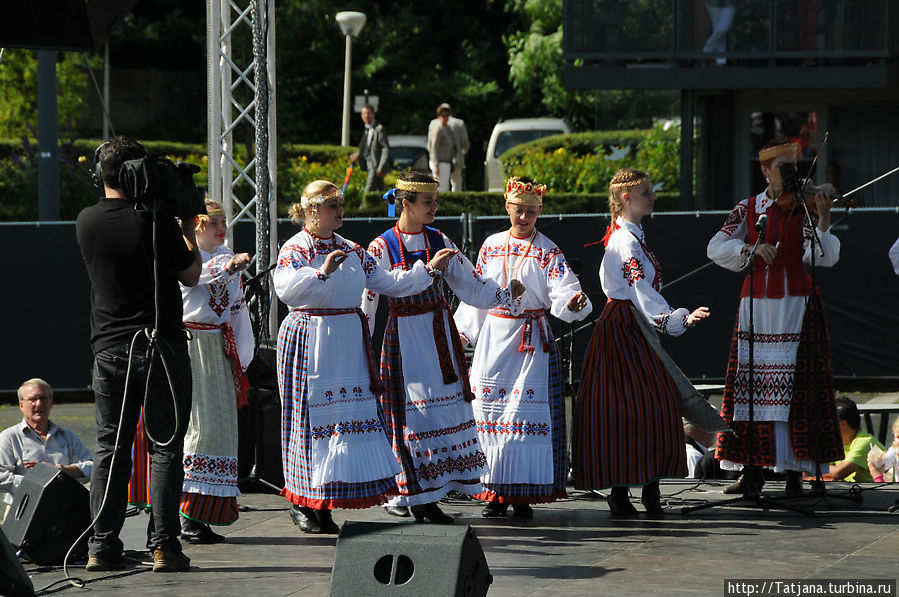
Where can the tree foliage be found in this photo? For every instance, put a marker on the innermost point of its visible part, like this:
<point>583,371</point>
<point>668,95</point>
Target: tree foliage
<point>18,91</point>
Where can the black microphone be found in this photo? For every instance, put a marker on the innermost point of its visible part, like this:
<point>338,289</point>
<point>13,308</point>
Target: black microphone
<point>760,223</point>
<point>789,177</point>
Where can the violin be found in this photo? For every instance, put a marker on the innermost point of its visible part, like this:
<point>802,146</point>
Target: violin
<point>810,188</point>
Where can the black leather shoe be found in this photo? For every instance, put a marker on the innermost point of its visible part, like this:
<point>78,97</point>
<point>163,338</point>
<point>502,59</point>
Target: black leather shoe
<point>793,487</point>
<point>305,519</point>
<point>620,503</point>
<point>325,522</point>
<point>494,510</point>
<point>199,533</point>
<point>401,511</point>
<point>522,511</point>
<point>651,499</point>
<point>743,484</point>
<point>432,513</point>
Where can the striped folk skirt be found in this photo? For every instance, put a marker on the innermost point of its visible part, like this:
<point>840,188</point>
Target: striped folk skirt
<point>333,443</point>
<point>627,427</point>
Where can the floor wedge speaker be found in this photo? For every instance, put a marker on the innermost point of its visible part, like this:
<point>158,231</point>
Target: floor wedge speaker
<point>49,511</point>
<point>393,560</point>
<point>14,581</point>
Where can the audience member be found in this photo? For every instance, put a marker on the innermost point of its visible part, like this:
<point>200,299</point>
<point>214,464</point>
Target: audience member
<point>37,439</point>
<point>856,445</point>
<point>882,465</point>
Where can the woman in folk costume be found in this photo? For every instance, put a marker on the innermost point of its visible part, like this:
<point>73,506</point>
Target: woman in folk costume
<point>220,348</point>
<point>427,399</point>
<point>627,422</point>
<point>793,399</point>
<point>334,447</point>
<point>516,377</point>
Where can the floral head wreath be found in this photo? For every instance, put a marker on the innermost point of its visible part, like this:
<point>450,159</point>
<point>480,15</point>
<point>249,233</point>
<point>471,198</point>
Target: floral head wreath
<point>318,199</point>
<point>769,153</point>
<point>527,193</point>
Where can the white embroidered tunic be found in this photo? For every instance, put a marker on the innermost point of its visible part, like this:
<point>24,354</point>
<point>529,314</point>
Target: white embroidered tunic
<point>218,299</point>
<point>510,368</point>
<point>630,272</point>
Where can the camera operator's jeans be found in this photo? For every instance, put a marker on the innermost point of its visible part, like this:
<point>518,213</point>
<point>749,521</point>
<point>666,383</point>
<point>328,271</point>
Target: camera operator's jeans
<point>166,469</point>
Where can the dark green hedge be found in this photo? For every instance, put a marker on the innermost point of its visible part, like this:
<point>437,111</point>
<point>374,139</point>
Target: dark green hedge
<point>297,165</point>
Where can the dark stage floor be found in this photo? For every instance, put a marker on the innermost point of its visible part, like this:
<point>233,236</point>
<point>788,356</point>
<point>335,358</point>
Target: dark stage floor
<point>571,548</point>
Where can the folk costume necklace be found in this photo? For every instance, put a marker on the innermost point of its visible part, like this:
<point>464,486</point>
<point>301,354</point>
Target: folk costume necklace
<point>319,243</point>
<point>399,238</point>
<point>511,270</point>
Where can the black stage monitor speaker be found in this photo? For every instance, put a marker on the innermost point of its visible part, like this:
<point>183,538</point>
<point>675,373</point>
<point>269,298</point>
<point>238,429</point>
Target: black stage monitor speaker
<point>49,511</point>
<point>61,24</point>
<point>392,560</point>
<point>14,581</point>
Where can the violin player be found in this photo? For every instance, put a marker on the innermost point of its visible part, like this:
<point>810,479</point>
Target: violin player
<point>794,422</point>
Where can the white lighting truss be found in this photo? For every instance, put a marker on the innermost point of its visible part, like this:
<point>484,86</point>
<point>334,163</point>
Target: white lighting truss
<point>241,121</point>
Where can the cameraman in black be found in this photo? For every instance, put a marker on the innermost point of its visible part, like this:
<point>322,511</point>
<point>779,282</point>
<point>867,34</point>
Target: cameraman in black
<point>136,333</point>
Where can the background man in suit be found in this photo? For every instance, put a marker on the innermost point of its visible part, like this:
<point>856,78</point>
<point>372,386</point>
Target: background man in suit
<point>374,149</point>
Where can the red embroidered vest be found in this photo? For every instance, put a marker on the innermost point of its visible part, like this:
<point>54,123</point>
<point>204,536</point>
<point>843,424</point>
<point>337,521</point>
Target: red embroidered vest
<point>789,255</point>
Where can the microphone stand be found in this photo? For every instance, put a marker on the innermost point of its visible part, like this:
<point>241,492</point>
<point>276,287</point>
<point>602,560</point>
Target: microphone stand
<point>259,301</point>
<point>751,492</point>
<point>818,486</point>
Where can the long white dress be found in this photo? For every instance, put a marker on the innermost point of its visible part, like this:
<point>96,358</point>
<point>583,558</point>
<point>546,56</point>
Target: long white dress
<point>334,447</point>
<point>216,315</point>
<point>782,291</point>
<point>515,376</point>
<point>426,398</point>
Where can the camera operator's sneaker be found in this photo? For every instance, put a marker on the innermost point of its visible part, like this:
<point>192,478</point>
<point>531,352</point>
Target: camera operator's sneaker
<point>168,561</point>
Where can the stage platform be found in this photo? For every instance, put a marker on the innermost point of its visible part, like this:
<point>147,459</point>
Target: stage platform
<point>571,548</point>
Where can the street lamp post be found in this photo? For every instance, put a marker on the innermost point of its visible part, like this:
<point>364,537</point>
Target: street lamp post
<point>351,23</point>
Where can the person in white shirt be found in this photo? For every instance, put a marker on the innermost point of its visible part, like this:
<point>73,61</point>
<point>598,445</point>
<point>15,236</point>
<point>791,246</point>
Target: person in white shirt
<point>37,439</point>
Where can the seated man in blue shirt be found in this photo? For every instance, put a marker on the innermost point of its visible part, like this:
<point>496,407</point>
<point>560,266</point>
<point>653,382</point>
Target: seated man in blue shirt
<point>37,439</point>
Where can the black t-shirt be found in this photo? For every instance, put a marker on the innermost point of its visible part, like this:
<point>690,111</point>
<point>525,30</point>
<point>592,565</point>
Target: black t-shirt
<point>116,242</point>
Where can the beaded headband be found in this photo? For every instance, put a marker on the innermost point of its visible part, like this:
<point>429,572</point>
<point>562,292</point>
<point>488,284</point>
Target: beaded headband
<point>527,193</point>
<point>770,153</point>
<point>318,199</point>
<point>416,187</point>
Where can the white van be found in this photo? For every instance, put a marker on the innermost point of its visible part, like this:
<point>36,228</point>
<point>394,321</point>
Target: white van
<point>508,134</point>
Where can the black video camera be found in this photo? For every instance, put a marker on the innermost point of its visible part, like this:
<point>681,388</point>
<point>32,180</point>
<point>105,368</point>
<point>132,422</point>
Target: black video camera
<point>158,184</point>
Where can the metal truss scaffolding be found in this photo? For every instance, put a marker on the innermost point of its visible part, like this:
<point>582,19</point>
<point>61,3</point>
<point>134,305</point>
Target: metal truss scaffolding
<point>241,123</point>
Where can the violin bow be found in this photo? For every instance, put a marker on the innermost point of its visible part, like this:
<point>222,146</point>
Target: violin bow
<point>870,182</point>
